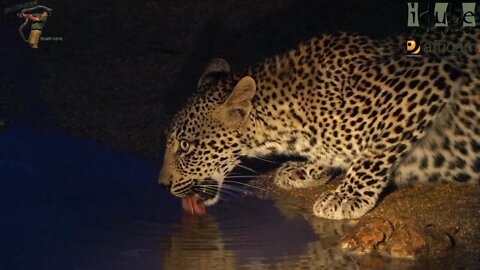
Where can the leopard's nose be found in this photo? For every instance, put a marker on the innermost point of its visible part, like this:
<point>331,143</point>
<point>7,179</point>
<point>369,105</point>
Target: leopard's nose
<point>165,184</point>
<point>165,178</point>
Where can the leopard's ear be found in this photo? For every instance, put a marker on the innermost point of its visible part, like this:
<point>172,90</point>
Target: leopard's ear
<point>218,67</point>
<point>236,108</point>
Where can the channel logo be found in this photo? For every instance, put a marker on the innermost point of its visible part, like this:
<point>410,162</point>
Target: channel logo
<point>413,48</point>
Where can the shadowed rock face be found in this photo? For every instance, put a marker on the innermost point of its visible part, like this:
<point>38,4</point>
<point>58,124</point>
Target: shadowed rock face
<point>122,70</point>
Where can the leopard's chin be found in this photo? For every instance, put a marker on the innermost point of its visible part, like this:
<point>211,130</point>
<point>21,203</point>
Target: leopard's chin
<point>212,201</point>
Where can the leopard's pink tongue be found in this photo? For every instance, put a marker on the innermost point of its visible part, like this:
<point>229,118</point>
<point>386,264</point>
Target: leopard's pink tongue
<point>193,206</point>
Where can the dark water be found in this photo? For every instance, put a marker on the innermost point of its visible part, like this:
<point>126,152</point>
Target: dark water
<point>67,203</point>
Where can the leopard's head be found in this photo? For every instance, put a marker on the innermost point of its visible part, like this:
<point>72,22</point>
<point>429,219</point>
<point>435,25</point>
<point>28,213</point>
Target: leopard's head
<point>204,138</point>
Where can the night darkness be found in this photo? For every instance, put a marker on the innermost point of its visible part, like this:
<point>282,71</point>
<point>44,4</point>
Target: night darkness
<point>82,122</point>
<point>122,69</point>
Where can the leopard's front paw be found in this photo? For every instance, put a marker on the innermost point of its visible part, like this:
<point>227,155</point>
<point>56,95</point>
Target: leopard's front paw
<point>334,205</point>
<point>299,175</point>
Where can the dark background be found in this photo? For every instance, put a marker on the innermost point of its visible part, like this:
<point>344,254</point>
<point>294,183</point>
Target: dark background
<point>120,72</point>
<point>124,67</point>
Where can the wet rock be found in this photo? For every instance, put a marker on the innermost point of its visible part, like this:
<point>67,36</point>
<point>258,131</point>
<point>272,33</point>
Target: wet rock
<point>368,235</point>
<point>397,238</point>
<point>411,241</point>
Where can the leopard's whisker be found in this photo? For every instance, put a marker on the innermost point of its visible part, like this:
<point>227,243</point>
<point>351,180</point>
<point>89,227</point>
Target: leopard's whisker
<point>247,168</point>
<point>224,188</point>
<point>198,193</point>
<point>265,159</point>
<point>243,184</point>
<point>224,193</point>
<point>241,176</point>
<point>230,187</point>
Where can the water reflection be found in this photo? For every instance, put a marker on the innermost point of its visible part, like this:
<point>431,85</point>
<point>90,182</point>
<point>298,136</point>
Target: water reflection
<point>72,204</point>
<point>198,244</point>
<point>264,235</point>
<point>256,236</point>
<point>321,253</point>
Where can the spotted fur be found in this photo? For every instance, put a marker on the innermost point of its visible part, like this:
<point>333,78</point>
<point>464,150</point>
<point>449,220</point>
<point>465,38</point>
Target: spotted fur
<point>339,100</point>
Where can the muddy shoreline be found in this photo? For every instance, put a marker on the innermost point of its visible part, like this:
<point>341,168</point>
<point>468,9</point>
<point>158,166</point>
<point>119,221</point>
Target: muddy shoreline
<point>425,222</point>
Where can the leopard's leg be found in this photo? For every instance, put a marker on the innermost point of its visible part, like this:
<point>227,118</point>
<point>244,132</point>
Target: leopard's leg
<point>359,192</point>
<point>450,152</point>
<point>298,174</point>
<point>447,154</point>
<point>392,138</point>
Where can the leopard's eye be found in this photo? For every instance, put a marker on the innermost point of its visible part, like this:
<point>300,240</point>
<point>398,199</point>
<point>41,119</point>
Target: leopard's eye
<point>184,145</point>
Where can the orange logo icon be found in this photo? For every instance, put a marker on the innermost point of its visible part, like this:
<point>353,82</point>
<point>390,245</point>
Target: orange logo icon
<point>413,48</point>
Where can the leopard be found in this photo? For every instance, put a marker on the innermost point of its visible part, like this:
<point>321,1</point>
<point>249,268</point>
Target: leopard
<point>339,100</point>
